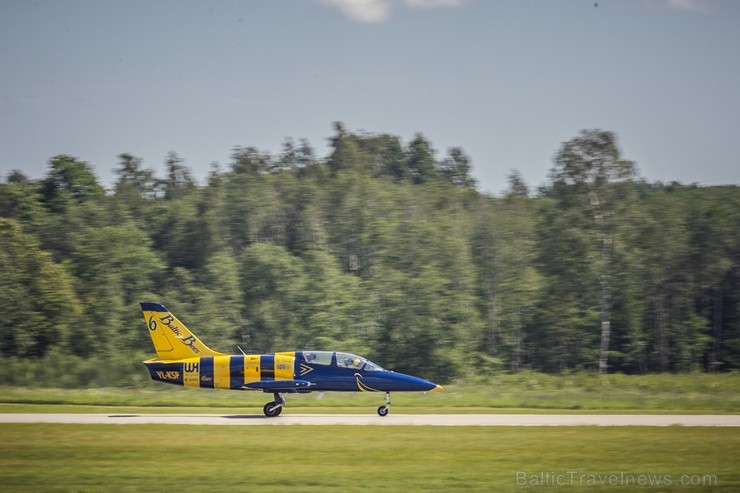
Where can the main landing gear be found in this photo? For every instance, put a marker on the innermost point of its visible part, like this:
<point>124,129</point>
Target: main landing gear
<point>273,409</point>
<point>383,410</point>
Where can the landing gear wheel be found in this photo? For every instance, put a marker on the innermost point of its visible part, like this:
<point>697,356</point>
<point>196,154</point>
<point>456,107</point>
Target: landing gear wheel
<point>272,409</point>
<point>383,410</point>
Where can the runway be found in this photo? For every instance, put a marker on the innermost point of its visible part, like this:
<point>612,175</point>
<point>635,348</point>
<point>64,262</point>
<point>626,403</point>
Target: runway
<point>390,420</point>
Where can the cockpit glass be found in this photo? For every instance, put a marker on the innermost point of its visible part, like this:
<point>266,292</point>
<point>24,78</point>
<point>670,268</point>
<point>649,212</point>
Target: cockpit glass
<point>346,360</point>
<point>352,361</point>
<point>370,366</point>
<point>318,357</point>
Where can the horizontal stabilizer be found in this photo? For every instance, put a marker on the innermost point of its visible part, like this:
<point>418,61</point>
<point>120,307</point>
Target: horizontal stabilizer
<point>278,385</point>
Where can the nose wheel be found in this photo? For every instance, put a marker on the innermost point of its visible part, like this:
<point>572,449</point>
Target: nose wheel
<point>273,409</point>
<point>383,410</point>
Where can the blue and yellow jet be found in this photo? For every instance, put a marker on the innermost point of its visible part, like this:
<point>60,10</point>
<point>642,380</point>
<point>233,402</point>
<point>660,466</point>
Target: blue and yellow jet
<point>182,359</point>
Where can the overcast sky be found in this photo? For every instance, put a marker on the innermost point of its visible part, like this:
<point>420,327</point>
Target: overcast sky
<point>508,81</point>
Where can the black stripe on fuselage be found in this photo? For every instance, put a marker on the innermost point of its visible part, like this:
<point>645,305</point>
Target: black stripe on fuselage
<point>206,372</point>
<point>236,371</point>
<point>267,366</point>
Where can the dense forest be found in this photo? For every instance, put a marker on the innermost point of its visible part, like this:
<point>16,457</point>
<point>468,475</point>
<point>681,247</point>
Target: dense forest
<point>382,249</point>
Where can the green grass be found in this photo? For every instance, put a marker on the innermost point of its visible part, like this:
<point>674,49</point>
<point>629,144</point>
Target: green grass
<point>108,458</point>
<point>524,392</point>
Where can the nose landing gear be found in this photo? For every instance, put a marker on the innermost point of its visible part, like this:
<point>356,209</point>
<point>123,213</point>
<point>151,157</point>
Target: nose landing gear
<point>383,410</point>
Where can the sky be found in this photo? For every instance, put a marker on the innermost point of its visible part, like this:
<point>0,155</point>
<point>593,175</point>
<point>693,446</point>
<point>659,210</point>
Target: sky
<point>508,81</point>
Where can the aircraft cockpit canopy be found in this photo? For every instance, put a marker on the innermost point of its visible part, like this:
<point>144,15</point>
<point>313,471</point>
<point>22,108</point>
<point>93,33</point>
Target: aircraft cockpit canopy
<point>318,357</point>
<point>344,360</point>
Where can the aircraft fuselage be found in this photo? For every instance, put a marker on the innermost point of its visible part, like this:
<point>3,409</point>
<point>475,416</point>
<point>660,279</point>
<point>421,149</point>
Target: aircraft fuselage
<point>298,371</point>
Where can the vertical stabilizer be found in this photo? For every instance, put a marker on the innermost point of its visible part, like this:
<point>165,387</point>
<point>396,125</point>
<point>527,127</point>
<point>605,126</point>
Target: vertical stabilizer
<point>172,340</point>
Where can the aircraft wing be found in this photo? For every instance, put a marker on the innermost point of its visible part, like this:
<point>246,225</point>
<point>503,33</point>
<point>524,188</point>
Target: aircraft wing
<point>278,385</point>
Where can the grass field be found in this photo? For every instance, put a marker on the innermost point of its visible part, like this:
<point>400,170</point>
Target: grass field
<point>524,392</point>
<point>107,458</point>
<point>102,458</point>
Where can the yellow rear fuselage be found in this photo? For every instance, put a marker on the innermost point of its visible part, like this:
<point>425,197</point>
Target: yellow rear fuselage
<point>223,371</point>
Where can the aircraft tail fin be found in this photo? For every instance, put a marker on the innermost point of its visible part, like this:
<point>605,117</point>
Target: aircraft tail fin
<point>172,340</point>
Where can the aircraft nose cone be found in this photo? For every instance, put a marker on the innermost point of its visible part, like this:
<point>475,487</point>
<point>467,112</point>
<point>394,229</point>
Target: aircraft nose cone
<point>427,386</point>
<point>400,382</point>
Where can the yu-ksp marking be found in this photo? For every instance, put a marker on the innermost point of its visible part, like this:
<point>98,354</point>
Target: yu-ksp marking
<point>182,359</point>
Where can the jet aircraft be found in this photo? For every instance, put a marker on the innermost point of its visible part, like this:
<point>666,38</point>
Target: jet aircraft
<point>182,359</point>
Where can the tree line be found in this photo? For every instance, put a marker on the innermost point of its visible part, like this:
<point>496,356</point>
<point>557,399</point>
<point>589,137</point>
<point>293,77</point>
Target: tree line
<point>381,249</point>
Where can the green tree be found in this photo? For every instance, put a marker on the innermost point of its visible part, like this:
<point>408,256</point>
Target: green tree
<point>185,230</point>
<point>250,161</point>
<point>423,285</point>
<point>593,181</point>
<point>504,245</point>
<point>116,269</point>
<point>713,221</point>
<point>179,182</point>
<point>381,154</point>
<point>39,305</point>
<point>456,168</point>
<point>345,152</point>
<point>272,283</point>
<point>69,181</point>
<point>334,310</point>
<point>21,199</point>
<point>135,189</point>
<point>295,157</point>
<point>420,160</point>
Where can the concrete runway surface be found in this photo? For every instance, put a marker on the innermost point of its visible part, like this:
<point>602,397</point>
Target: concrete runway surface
<point>392,419</point>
